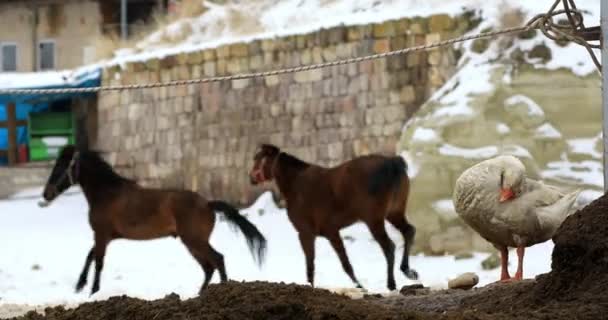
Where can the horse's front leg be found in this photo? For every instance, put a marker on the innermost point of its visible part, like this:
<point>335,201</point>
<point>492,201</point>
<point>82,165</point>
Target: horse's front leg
<point>101,243</point>
<point>82,280</point>
<point>307,240</point>
<point>338,245</point>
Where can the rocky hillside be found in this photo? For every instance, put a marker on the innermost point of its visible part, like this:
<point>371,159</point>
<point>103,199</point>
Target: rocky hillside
<point>522,95</point>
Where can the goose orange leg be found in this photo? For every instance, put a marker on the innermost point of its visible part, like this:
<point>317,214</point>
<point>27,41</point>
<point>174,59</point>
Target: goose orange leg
<point>520,263</point>
<point>504,264</point>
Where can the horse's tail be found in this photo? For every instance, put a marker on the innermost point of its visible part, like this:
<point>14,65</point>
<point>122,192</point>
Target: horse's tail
<point>255,239</point>
<point>388,175</point>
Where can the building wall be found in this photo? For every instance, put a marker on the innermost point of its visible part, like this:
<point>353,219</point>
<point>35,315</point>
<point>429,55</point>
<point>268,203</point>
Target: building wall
<point>73,25</point>
<point>202,137</point>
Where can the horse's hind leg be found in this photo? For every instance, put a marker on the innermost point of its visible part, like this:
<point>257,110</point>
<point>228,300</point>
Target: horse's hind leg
<point>388,248</point>
<point>205,264</point>
<point>82,280</point>
<point>397,219</point>
<point>338,245</point>
<point>217,259</point>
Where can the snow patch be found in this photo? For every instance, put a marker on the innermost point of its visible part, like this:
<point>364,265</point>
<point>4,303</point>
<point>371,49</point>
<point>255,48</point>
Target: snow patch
<point>533,108</point>
<point>547,131</point>
<point>445,207</point>
<point>587,172</point>
<point>425,135</point>
<point>483,152</point>
<point>585,146</point>
<point>502,128</point>
<point>412,166</point>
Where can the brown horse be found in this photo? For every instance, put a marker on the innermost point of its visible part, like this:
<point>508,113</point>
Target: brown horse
<point>120,208</point>
<point>321,201</point>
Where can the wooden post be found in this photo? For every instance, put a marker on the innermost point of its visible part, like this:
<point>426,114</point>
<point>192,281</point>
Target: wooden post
<point>604,41</point>
<point>11,120</point>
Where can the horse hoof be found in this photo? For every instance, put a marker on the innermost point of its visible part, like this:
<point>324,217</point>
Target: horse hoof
<point>94,291</point>
<point>391,286</point>
<point>79,287</point>
<point>411,274</point>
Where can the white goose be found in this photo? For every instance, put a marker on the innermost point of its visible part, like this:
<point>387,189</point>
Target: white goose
<point>507,209</point>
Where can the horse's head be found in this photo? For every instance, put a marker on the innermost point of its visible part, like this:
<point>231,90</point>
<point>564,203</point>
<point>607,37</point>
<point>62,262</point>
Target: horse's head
<point>264,161</point>
<point>64,173</point>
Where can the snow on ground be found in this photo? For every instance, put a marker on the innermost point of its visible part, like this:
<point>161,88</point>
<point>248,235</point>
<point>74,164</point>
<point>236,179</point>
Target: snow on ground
<point>586,146</point>
<point>483,152</point>
<point>43,251</point>
<point>547,130</point>
<point>425,135</point>
<point>532,108</point>
<point>587,172</point>
<point>502,128</point>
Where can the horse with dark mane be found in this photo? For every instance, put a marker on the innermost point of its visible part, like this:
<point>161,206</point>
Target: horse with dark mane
<point>321,201</point>
<point>120,208</point>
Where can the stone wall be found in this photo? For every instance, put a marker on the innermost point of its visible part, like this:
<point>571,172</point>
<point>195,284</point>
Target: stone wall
<point>202,137</point>
<point>15,179</point>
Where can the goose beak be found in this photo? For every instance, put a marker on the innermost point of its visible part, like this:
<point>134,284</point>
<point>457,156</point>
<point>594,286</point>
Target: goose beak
<point>506,194</point>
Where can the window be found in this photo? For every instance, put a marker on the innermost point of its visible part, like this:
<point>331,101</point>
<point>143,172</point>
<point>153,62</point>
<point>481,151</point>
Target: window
<point>46,55</point>
<point>8,55</point>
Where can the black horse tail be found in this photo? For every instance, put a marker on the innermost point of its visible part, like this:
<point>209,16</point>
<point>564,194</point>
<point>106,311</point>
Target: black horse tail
<point>255,240</point>
<point>388,175</point>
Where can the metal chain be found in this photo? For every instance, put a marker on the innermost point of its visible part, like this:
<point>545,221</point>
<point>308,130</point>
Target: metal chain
<point>543,22</point>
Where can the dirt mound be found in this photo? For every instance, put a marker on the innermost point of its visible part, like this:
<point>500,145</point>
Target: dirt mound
<point>577,283</point>
<point>251,300</point>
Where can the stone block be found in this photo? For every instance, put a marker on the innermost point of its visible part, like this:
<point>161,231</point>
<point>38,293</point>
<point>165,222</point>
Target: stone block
<point>382,46</point>
<point>168,62</point>
<point>239,50</point>
<point>220,67</point>
<point>335,151</point>
<point>402,26</point>
<point>440,22</point>
<point>306,56</point>
<point>136,110</point>
<point>337,35</point>
<point>408,94</point>
<point>415,59</point>
<point>317,55</point>
<point>233,66</point>
<point>329,54</point>
<point>209,55</point>
<point>272,81</point>
<point>434,57</point>
<point>432,38</point>
<point>256,62</point>
<point>308,76</point>
<point>344,50</point>
<point>384,30</point>
<point>195,57</point>
<point>223,52</point>
<point>240,83</point>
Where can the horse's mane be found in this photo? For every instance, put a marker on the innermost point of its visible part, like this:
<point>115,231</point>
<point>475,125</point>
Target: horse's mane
<point>100,170</point>
<point>290,160</point>
<point>293,162</point>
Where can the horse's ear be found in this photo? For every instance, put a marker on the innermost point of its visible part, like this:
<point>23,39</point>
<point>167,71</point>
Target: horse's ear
<point>270,149</point>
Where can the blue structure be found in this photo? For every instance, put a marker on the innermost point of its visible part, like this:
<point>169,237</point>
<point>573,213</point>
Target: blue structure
<point>27,103</point>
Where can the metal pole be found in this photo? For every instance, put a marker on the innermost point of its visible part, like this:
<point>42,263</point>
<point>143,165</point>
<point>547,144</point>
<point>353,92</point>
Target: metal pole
<point>604,40</point>
<point>123,19</point>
